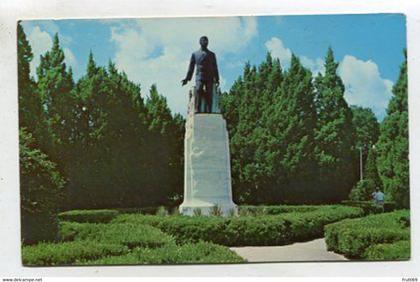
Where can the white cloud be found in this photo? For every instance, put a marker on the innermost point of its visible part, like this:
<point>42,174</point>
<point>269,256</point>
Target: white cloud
<point>315,65</point>
<point>158,51</point>
<point>278,50</point>
<point>364,84</point>
<point>70,59</point>
<point>362,79</point>
<point>41,41</point>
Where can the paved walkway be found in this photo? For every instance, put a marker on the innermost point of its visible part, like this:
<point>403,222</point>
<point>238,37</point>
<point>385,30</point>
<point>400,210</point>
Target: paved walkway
<point>315,250</point>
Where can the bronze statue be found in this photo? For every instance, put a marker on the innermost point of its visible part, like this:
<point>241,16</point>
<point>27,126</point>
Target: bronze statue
<point>206,75</point>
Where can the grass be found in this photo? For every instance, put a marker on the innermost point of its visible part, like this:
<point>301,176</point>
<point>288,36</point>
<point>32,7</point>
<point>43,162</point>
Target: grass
<point>66,253</point>
<point>128,234</point>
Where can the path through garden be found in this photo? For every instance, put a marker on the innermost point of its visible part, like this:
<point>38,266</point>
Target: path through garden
<point>315,250</point>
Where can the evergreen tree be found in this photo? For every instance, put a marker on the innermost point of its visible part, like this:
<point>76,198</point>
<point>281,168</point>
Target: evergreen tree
<point>29,103</point>
<point>159,113</point>
<point>86,186</point>
<point>243,109</point>
<point>271,117</point>
<point>366,127</point>
<point>289,148</point>
<point>126,140</point>
<point>393,164</point>
<point>40,183</point>
<point>366,133</point>
<point>334,134</point>
<point>31,114</point>
<point>166,146</point>
<point>54,86</point>
<point>239,112</point>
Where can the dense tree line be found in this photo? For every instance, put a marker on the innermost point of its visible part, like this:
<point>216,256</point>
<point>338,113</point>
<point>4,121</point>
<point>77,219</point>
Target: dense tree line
<point>294,138</point>
<point>111,146</point>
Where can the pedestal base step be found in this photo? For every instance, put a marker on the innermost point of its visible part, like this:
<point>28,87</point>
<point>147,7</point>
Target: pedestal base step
<point>222,210</point>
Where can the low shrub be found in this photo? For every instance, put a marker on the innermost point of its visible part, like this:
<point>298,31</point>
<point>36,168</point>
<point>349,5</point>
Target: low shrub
<point>197,212</point>
<point>352,237</point>
<point>175,211</point>
<point>70,231</point>
<point>128,234</point>
<point>45,254</point>
<point>399,250</point>
<point>91,216</point>
<point>363,190</point>
<point>246,230</point>
<point>200,252</point>
<point>161,211</point>
<point>369,207</point>
<point>216,210</point>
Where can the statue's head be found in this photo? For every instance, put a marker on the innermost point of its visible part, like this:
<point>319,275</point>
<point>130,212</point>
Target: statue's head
<point>204,41</point>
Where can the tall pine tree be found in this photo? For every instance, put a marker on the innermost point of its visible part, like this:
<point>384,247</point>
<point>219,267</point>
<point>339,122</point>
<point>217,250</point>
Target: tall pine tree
<point>291,120</point>
<point>334,134</point>
<point>55,84</point>
<point>243,108</point>
<point>393,163</point>
<point>31,115</point>
<point>166,146</point>
<point>86,186</point>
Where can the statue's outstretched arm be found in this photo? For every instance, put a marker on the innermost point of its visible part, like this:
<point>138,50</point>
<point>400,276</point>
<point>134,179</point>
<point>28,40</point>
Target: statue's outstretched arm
<point>191,68</point>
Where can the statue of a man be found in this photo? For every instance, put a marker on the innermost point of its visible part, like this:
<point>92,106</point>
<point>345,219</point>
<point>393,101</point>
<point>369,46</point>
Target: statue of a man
<point>206,74</point>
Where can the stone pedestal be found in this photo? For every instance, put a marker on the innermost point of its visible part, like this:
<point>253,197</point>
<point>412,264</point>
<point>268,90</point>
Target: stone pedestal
<point>207,178</point>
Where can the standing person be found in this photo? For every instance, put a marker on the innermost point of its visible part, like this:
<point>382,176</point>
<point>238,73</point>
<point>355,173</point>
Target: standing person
<point>206,74</point>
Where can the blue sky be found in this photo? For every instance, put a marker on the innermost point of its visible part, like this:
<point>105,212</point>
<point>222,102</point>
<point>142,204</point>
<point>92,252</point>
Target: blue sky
<point>368,47</point>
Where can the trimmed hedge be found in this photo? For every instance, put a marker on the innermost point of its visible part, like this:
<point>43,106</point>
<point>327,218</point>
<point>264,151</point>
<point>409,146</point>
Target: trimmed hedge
<point>399,250</point>
<point>144,210</point>
<point>130,235</point>
<point>274,210</point>
<point>44,254</point>
<point>246,230</point>
<point>201,252</point>
<point>352,237</point>
<point>91,216</point>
